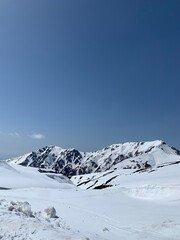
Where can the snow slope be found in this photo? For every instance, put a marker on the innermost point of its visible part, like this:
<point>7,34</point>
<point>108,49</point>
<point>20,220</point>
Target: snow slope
<point>16,176</point>
<point>142,205</point>
<point>129,177</point>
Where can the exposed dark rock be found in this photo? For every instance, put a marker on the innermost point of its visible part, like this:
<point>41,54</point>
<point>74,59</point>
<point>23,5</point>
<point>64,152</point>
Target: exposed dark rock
<point>71,162</point>
<point>102,186</point>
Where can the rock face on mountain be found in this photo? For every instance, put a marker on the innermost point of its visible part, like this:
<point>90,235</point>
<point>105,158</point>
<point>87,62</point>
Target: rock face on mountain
<point>130,155</point>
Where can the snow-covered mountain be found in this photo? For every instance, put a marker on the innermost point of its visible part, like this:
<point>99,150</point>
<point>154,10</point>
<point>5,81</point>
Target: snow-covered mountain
<point>138,205</point>
<point>139,200</point>
<point>130,155</point>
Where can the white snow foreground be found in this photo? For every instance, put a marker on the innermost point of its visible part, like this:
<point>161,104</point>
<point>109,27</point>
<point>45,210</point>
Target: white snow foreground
<point>17,221</point>
<point>138,206</point>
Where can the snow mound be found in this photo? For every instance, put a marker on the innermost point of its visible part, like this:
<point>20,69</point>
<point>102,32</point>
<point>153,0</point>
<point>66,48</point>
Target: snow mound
<point>18,222</point>
<point>21,207</point>
<point>50,212</point>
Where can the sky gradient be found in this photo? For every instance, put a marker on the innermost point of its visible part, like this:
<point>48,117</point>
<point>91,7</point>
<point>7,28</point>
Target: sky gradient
<point>87,74</point>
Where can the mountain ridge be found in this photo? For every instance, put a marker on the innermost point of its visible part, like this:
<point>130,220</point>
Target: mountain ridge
<point>70,162</point>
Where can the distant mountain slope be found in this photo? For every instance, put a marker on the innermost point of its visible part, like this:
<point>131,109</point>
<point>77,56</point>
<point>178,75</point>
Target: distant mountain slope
<point>15,176</point>
<point>161,174</point>
<point>130,155</point>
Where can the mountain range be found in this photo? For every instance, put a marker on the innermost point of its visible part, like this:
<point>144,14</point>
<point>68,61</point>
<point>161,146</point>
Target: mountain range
<point>129,155</point>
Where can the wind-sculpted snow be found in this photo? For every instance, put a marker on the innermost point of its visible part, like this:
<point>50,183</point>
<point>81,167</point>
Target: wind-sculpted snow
<point>131,155</point>
<point>17,221</point>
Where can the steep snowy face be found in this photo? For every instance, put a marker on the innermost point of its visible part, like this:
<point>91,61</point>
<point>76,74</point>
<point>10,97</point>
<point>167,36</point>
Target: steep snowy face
<point>130,155</point>
<point>54,158</point>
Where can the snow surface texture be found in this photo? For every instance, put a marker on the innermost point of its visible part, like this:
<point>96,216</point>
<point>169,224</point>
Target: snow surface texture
<point>138,205</point>
<point>17,221</point>
<point>15,176</point>
<point>131,155</point>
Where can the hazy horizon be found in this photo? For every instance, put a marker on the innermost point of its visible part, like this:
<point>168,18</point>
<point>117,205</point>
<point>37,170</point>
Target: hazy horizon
<point>5,156</point>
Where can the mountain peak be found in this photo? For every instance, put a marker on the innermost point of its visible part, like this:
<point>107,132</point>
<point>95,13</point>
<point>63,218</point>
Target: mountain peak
<point>136,155</point>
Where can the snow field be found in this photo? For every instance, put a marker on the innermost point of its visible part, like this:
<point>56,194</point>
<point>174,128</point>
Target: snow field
<point>137,206</point>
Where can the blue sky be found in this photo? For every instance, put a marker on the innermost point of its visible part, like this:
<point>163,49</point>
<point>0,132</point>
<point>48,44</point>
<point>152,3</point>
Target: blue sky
<point>87,74</point>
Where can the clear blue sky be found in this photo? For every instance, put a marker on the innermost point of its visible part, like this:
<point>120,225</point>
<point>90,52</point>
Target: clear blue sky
<point>87,74</point>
